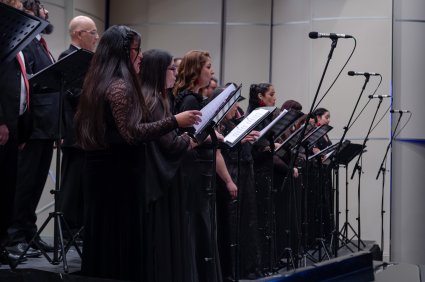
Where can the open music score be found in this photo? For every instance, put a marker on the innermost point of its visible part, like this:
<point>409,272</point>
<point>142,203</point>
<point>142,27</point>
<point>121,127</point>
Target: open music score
<point>215,110</point>
<point>247,125</point>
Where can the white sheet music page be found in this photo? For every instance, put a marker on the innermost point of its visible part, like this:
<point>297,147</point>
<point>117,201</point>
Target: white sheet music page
<point>210,110</point>
<point>245,125</point>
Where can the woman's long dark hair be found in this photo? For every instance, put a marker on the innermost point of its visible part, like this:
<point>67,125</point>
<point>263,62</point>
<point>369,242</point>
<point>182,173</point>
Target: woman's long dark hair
<point>153,75</point>
<point>254,90</point>
<point>110,63</point>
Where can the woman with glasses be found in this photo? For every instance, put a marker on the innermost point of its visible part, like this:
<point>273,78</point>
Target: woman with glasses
<point>163,246</point>
<point>112,122</point>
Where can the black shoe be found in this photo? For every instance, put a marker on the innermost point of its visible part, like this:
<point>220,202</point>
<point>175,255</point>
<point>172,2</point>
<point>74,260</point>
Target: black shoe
<point>10,259</point>
<point>40,244</point>
<point>19,249</point>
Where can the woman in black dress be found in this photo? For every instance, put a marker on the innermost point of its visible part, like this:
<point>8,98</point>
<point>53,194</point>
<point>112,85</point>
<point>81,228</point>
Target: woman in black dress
<point>110,127</point>
<point>197,174</point>
<point>163,204</point>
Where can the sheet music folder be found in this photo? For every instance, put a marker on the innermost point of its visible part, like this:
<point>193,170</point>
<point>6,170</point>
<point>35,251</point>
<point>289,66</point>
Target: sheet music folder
<point>291,141</point>
<point>348,152</point>
<point>314,135</point>
<point>247,125</point>
<point>17,29</point>
<point>215,110</point>
<point>72,68</point>
<point>279,125</point>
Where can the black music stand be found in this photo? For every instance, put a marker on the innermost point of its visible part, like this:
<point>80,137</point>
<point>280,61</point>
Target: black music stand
<point>347,152</point>
<point>67,73</point>
<point>268,136</point>
<point>310,139</point>
<point>17,30</point>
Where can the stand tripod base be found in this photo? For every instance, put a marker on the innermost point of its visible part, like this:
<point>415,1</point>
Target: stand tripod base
<point>59,253</point>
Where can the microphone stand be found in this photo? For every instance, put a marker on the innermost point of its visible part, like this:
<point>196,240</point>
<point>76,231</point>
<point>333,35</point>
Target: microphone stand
<point>383,169</point>
<point>336,172</point>
<point>358,168</point>
<point>302,134</point>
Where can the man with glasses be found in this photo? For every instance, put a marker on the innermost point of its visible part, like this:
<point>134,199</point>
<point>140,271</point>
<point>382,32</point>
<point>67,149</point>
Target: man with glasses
<point>83,33</point>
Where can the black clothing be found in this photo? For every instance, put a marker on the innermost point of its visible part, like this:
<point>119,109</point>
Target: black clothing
<point>164,214</point>
<point>115,179</point>
<point>197,173</point>
<point>34,160</point>
<point>10,88</point>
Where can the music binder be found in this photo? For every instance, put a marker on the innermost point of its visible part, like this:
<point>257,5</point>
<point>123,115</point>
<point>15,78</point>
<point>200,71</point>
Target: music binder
<point>326,152</point>
<point>17,30</point>
<point>247,125</point>
<point>215,111</point>
<point>278,126</point>
<point>291,141</point>
<point>348,152</point>
<point>314,135</point>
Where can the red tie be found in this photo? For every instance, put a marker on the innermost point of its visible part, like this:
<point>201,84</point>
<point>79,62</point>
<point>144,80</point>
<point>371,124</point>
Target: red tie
<point>24,75</point>
<point>44,43</point>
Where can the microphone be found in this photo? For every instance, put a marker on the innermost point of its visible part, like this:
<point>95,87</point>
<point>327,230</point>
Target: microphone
<point>379,96</point>
<point>351,73</point>
<point>315,35</point>
<point>399,111</point>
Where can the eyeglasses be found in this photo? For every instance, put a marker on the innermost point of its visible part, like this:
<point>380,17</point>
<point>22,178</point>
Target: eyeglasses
<point>137,49</point>
<point>92,32</point>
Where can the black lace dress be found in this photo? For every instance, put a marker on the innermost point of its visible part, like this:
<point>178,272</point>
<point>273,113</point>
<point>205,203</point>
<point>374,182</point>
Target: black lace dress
<point>115,182</point>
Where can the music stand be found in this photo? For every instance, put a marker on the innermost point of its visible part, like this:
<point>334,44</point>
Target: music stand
<point>348,151</point>
<point>67,73</point>
<point>268,136</point>
<point>17,30</point>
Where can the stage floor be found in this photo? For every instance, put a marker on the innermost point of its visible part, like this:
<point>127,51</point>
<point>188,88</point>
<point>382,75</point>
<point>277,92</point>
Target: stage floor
<point>74,261</point>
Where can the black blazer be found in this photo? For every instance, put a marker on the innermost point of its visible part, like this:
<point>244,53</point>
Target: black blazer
<point>10,90</point>
<point>44,102</point>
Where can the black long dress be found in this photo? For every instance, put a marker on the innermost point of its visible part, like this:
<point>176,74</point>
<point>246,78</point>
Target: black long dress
<point>237,233</point>
<point>164,211</point>
<point>200,244</point>
<point>114,179</point>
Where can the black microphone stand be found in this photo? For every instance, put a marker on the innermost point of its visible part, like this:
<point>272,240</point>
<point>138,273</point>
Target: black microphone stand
<point>335,241</point>
<point>302,134</point>
<point>358,168</point>
<point>383,169</point>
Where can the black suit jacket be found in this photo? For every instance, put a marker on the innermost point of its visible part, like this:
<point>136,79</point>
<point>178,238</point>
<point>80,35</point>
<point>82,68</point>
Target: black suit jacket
<point>44,102</point>
<point>70,103</point>
<point>10,90</point>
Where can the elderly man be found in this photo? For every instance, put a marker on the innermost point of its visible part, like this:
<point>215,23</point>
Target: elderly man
<point>84,35</point>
